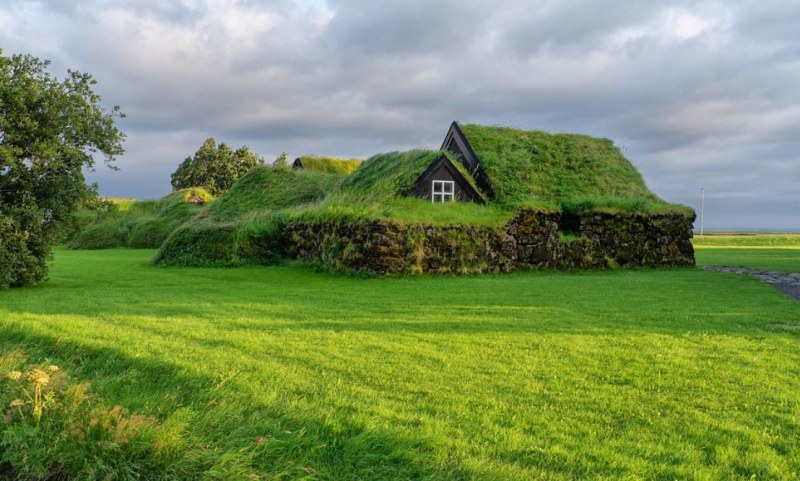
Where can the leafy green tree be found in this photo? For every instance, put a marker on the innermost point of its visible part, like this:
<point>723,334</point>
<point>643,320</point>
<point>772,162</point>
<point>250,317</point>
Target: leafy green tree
<point>50,130</point>
<point>282,160</point>
<point>214,167</point>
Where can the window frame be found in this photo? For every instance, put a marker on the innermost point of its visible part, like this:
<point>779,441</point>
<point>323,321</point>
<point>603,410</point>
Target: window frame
<point>443,194</point>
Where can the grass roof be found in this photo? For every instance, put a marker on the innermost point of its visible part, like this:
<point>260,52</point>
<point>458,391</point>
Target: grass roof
<point>567,169</point>
<point>330,165</point>
<point>272,188</point>
<point>391,174</point>
<point>395,173</point>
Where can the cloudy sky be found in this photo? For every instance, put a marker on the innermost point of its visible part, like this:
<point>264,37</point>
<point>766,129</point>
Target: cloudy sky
<point>697,94</point>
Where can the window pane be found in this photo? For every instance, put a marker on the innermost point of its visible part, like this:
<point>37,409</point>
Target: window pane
<point>437,186</point>
<point>448,187</point>
<point>438,198</point>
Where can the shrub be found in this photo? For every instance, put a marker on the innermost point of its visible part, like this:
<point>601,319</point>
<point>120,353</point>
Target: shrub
<point>54,428</point>
<point>50,130</point>
<point>216,168</point>
<point>23,252</point>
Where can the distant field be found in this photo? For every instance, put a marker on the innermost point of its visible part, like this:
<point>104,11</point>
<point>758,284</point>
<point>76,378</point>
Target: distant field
<point>286,373</point>
<point>772,259</point>
<point>776,252</point>
<point>747,240</point>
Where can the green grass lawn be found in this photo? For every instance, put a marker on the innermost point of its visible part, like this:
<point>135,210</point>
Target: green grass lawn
<point>285,373</point>
<point>786,259</point>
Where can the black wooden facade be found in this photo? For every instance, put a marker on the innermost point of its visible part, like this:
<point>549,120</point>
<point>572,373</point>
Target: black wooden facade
<point>457,143</point>
<point>297,164</point>
<point>442,171</point>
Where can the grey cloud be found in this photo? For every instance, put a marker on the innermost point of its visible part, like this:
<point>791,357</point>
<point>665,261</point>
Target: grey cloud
<point>697,93</point>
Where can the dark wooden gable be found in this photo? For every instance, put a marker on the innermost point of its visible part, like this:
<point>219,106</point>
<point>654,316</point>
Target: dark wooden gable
<point>456,142</point>
<point>443,169</point>
<point>297,164</point>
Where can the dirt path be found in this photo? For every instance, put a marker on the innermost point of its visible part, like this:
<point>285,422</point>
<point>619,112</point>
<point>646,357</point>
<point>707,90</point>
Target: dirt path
<point>786,282</point>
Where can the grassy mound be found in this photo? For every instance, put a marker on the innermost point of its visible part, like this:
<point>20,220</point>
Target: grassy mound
<point>270,188</point>
<point>143,224</point>
<point>329,165</point>
<point>578,172</point>
<point>243,225</point>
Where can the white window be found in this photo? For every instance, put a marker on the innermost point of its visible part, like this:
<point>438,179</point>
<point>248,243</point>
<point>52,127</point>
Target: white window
<point>443,191</point>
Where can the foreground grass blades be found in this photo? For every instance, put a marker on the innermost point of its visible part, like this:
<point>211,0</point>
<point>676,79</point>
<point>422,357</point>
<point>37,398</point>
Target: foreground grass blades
<point>284,373</point>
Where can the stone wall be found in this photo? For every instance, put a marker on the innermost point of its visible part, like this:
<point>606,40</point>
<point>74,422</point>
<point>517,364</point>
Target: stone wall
<point>530,240</point>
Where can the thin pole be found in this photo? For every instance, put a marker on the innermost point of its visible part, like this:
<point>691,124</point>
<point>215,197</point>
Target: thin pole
<point>702,209</point>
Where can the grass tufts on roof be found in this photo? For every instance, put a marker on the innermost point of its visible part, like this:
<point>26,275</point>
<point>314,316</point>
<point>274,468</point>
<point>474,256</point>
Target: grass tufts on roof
<point>272,188</point>
<point>376,191</point>
<point>329,165</point>
<point>569,169</point>
<point>387,175</point>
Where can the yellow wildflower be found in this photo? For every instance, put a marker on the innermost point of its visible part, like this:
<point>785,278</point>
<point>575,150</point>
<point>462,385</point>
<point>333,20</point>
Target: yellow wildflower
<point>38,377</point>
<point>53,368</point>
<point>14,375</point>
<point>17,403</point>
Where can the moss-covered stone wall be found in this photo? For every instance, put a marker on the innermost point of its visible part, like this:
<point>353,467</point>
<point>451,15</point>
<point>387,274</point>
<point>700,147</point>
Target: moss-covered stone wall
<point>530,240</point>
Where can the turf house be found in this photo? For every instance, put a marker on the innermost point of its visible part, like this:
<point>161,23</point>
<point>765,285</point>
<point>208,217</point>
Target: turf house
<point>492,199</point>
<point>444,181</point>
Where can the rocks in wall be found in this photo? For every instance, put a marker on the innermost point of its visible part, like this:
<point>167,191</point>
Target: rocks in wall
<point>634,240</point>
<point>536,237</point>
<point>530,240</point>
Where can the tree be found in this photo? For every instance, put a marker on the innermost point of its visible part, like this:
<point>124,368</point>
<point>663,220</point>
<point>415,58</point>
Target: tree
<point>215,168</point>
<point>50,130</point>
<point>282,160</point>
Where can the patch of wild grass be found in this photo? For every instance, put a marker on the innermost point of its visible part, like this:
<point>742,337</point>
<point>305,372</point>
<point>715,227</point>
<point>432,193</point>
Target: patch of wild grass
<point>284,373</point>
<point>54,427</point>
